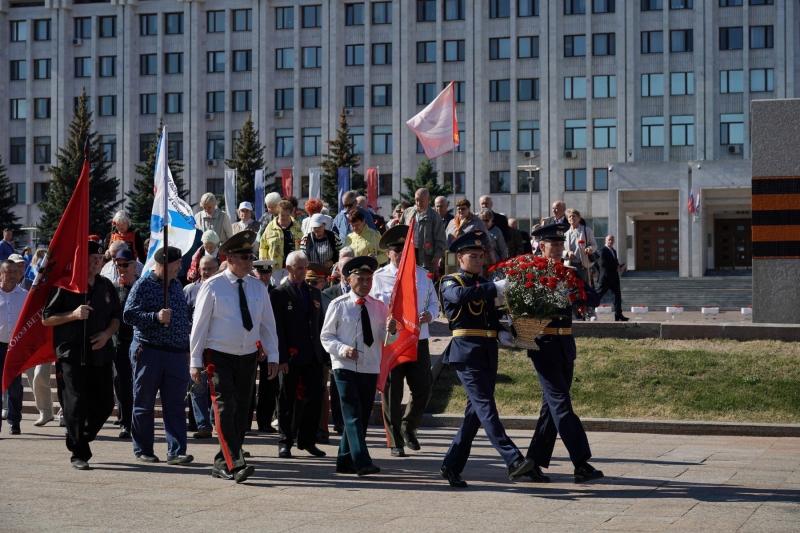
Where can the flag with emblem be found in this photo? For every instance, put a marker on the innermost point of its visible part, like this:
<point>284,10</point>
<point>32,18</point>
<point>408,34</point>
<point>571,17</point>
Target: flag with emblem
<point>436,126</point>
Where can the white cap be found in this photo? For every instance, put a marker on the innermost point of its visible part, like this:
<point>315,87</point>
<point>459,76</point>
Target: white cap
<point>317,220</point>
<point>16,258</point>
<point>246,205</point>
<point>210,236</point>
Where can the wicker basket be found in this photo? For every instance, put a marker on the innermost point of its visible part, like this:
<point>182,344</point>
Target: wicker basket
<point>528,328</point>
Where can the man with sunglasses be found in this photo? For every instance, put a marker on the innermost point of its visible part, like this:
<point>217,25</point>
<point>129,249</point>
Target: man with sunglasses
<point>126,265</point>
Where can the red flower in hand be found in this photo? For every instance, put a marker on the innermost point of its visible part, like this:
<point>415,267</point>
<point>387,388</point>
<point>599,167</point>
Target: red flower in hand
<point>293,352</point>
<point>360,301</point>
<point>430,275</point>
<point>581,242</point>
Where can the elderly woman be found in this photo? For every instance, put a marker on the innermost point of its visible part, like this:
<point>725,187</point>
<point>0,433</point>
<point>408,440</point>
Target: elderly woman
<point>498,242</point>
<point>246,220</point>
<point>212,218</point>
<point>312,206</point>
<point>320,245</point>
<point>281,237</point>
<point>397,214</point>
<point>580,245</point>
<point>121,231</point>
<point>210,246</point>
<point>363,239</point>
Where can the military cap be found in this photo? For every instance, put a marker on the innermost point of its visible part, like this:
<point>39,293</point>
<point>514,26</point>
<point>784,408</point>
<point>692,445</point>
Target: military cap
<point>240,243</point>
<point>551,232</point>
<point>263,265</point>
<point>172,254</point>
<point>315,270</point>
<point>395,237</point>
<point>469,241</point>
<point>362,263</point>
<point>95,248</point>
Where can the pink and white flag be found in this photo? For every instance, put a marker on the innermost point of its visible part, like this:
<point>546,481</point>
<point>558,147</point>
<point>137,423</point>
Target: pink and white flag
<point>436,126</point>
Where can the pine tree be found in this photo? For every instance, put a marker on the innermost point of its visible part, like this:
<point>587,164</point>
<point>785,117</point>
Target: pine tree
<point>426,178</point>
<point>140,198</point>
<point>7,217</point>
<point>103,188</point>
<point>248,156</point>
<point>341,154</point>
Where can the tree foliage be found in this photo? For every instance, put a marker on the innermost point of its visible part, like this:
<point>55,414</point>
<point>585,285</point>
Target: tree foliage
<point>341,154</point>
<point>426,178</point>
<point>248,156</point>
<point>7,217</point>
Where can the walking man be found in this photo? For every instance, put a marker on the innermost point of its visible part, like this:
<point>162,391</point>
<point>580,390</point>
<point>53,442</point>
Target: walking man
<point>610,269</point>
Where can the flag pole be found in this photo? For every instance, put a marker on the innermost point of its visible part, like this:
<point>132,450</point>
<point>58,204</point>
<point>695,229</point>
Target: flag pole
<point>166,217</point>
<point>86,294</point>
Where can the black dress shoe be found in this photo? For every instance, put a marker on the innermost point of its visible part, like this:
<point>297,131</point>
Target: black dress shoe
<point>338,429</point>
<point>586,472</point>
<point>345,469</point>
<point>221,473</point>
<point>537,476</point>
<point>284,452</point>
<point>243,473</point>
<point>124,434</point>
<point>323,437</point>
<point>367,470</point>
<point>411,440</point>
<point>453,478</point>
<point>520,467</point>
<point>621,318</point>
<point>15,430</point>
<point>398,452</point>
<point>267,429</point>
<point>313,450</point>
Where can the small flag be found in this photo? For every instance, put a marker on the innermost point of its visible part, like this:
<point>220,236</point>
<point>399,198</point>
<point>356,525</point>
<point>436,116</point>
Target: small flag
<point>230,193</point>
<point>258,186</point>
<point>314,182</point>
<point>343,183</point>
<point>287,182</point>
<point>372,187</point>
<point>436,126</point>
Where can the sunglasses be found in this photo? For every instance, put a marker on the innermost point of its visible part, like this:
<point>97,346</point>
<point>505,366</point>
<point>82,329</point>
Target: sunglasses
<point>123,265</point>
<point>245,257</point>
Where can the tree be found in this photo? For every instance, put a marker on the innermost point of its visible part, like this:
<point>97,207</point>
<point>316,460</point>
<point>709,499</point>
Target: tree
<point>426,178</point>
<point>341,154</point>
<point>248,156</point>
<point>103,188</point>
<point>8,219</point>
<point>140,197</point>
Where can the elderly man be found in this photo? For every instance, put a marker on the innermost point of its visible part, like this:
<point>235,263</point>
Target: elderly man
<point>233,328</point>
<point>341,224</point>
<point>271,201</point>
<point>429,234</point>
<point>465,222</point>
<point>12,297</point>
<point>499,219</point>
<point>499,246</point>
<point>125,264</point>
<point>610,269</point>
<point>559,210</point>
<point>7,244</point>
<point>211,217</point>
<point>401,428</point>
<point>83,325</point>
<point>246,220</point>
<point>442,207</point>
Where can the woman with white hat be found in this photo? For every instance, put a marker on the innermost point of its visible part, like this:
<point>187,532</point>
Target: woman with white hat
<point>246,220</point>
<point>321,245</point>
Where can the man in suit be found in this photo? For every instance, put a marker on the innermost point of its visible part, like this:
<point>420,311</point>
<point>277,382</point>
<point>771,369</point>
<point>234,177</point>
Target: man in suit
<point>498,219</point>
<point>559,210</point>
<point>610,269</point>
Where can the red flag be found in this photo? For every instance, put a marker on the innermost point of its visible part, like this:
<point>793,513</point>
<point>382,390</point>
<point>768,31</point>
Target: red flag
<point>372,187</point>
<point>436,126</point>
<point>287,182</point>
<point>65,266</point>
<point>403,307</point>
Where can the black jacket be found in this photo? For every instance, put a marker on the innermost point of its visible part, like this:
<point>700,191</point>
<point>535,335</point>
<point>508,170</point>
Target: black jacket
<point>609,268</point>
<point>298,323</point>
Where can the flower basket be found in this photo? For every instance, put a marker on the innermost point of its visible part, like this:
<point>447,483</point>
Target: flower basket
<point>527,329</point>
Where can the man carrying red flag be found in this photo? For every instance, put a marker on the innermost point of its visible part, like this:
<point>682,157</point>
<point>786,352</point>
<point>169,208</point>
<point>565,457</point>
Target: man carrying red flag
<point>415,368</point>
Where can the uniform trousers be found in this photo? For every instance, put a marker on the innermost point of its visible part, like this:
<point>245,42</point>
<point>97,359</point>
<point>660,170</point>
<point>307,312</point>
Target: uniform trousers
<point>234,379</point>
<point>39,381</point>
<point>418,376</point>
<point>14,393</point>
<point>555,369</point>
<point>356,395</point>
<point>267,398</point>
<point>87,400</point>
<point>299,405</point>
<point>123,383</point>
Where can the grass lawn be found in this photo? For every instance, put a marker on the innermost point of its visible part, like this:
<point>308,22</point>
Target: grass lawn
<point>724,380</point>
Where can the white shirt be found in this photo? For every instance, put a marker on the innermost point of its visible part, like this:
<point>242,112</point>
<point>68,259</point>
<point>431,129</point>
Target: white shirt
<point>383,282</point>
<point>217,322</point>
<point>342,329</point>
<point>10,309</point>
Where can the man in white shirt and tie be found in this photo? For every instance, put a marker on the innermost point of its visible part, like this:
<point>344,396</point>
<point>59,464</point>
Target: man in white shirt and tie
<point>233,328</point>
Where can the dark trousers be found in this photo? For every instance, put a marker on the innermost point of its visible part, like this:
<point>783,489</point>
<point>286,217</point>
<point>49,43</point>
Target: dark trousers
<point>357,395</point>
<point>418,376</point>
<point>234,378</point>
<point>87,399</point>
<point>14,392</point>
<point>617,297</point>
<point>167,373</point>
<point>299,405</point>
<point>336,405</point>
<point>267,398</point>
<point>123,383</point>
<point>555,369</point>
<point>481,410</point>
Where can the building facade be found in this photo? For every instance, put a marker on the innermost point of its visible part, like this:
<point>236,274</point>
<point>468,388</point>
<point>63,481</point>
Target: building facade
<point>626,107</point>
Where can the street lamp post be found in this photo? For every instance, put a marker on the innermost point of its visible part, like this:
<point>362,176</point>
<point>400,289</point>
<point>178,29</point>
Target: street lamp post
<point>530,168</point>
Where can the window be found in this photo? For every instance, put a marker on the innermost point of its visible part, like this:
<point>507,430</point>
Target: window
<point>762,80</point>
<point>173,103</point>
<point>575,179</point>
<point>175,146</point>
<point>312,56</point>
<point>311,16</point>
<point>284,18</point>
<point>574,88</point>
<point>284,142</point>
<point>527,8</point>
<point>460,181</point>
<point>18,196</point>
<point>284,99</point>
<point>215,61</point>
<point>41,150</point>
<point>454,50</point>
<point>41,30</point>
<point>242,19</point>
<point>310,98</point>
<point>312,139</point>
<point>385,185</point>
<point>604,44</point>
<point>682,130</point>
<point>381,12</point>
<point>41,108</point>
<point>499,9</point>
<point>499,90</point>
<point>41,69</point>
<point>357,139</point>
<point>600,179</point>
<point>354,55</point>
<point>354,14</point>
<point>19,69</point>
<point>426,92</point>
<point>730,3</point>
<point>108,66</point>
<point>83,67</point>
<point>19,108</point>
<point>215,186</point>
<point>731,128</point>
<point>147,65</point>
<point>604,86</point>
<point>354,96</point>
<point>19,31</point>
<point>147,103</point>
<point>215,101</point>
<point>500,48</point>
<point>241,100</point>
<point>499,182</point>
<point>681,83</point>
<point>499,136</point>
<point>652,5</point>
<point>173,63</point>
<point>215,145</point>
<point>108,147</point>
<point>574,134</point>
<point>107,105</point>
<point>426,10</point>
<point>731,81</point>
<point>40,190</point>
<point>528,136</point>
<point>762,2</point>
<point>731,38</point>
<point>173,23</point>
<point>284,58</point>
<point>17,150</point>
<point>82,27</point>
<point>603,6</point>
<point>148,24</point>
<point>107,26</point>
<point>381,140</point>
<point>453,9</point>
<point>681,4</point>
<point>426,51</point>
<point>525,179</point>
<point>652,42</point>
<point>382,54</point>
<point>242,60</point>
<point>761,37</point>
<point>574,45</point>
<point>527,89</point>
<point>604,133</point>
<point>215,21</point>
<point>381,96</point>
<point>652,84</point>
<point>528,46</point>
<point>681,40</point>
<point>652,131</point>
<point>146,143</point>
<point>574,7</point>
<point>459,90</point>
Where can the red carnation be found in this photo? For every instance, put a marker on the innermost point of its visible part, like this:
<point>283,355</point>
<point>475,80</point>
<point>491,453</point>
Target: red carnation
<point>293,351</point>
<point>528,285</point>
<point>430,275</point>
<point>529,276</point>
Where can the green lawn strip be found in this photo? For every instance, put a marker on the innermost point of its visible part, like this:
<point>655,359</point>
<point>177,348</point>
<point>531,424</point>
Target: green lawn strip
<point>722,380</point>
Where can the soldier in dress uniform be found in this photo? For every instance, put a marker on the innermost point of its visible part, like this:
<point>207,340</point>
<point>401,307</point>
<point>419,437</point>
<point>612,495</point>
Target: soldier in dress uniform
<point>468,301</point>
<point>554,362</point>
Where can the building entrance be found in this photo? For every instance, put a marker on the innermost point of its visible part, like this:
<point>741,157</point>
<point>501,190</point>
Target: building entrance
<point>656,244</point>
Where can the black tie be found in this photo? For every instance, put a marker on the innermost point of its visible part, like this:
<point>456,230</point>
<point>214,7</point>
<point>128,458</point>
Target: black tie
<point>247,321</point>
<point>366,326</point>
